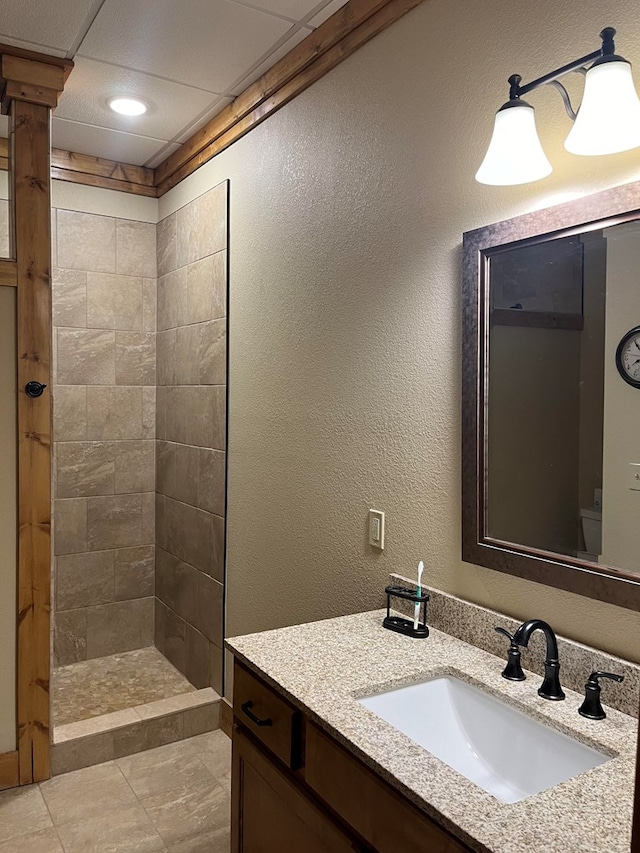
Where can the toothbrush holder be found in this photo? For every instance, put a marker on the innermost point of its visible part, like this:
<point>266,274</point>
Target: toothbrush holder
<point>399,623</point>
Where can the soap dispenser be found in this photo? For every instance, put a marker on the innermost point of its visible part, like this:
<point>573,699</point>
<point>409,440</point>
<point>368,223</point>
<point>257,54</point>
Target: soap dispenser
<point>513,669</point>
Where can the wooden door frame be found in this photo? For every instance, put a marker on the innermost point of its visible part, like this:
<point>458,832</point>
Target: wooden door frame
<point>31,85</point>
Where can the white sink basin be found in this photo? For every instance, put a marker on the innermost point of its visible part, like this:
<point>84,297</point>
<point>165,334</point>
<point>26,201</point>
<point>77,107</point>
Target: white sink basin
<point>502,750</point>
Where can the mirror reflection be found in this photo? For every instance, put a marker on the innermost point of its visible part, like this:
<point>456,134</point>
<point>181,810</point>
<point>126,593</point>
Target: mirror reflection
<point>562,437</point>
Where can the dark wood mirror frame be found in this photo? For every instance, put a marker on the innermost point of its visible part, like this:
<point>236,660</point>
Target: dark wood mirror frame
<point>605,583</point>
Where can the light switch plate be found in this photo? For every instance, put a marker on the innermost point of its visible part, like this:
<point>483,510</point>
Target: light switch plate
<point>634,476</point>
<point>376,528</point>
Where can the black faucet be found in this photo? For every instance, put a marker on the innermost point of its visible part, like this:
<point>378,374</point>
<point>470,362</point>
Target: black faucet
<point>550,687</point>
<point>592,707</point>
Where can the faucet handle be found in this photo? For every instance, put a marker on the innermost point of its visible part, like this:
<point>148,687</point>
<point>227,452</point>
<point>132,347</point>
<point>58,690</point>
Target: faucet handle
<point>592,708</point>
<point>513,669</point>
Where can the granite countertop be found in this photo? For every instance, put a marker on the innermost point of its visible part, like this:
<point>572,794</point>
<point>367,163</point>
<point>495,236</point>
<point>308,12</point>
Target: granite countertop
<point>323,667</point>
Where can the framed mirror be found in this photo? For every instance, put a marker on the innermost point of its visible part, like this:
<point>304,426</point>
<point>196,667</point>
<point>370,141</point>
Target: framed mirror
<point>551,396</point>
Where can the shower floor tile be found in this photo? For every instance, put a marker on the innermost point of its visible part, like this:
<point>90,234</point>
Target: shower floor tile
<point>114,683</point>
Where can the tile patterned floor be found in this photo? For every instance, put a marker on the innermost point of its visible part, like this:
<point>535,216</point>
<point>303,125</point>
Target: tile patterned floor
<point>103,685</point>
<point>174,798</point>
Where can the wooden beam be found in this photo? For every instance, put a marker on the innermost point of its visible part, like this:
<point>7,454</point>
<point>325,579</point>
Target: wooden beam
<point>9,776</point>
<point>29,79</point>
<point>8,273</point>
<point>93,171</point>
<point>98,172</point>
<point>31,179</point>
<point>4,154</point>
<point>341,35</point>
<point>65,64</point>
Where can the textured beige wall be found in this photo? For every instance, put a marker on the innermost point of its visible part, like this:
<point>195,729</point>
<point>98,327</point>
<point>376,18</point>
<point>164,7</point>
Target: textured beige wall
<point>347,213</point>
<point>7,517</point>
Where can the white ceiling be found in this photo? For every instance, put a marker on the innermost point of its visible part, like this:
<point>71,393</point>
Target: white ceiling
<point>187,59</point>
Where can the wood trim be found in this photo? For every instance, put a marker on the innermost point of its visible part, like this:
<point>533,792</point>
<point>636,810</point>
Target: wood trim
<point>8,273</point>
<point>92,180</point>
<point>65,64</point>
<point>340,36</point>
<point>32,194</point>
<point>9,774</point>
<point>101,168</point>
<point>93,171</point>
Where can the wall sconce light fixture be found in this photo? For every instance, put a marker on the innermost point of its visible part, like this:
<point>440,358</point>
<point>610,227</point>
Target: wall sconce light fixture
<point>607,122</point>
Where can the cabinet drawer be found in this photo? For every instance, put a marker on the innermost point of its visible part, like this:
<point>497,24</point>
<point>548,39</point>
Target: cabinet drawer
<point>268,716</point>
<point>374,810</point>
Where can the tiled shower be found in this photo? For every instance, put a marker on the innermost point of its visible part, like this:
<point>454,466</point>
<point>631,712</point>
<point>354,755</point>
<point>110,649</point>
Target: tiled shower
<point>139,393</point>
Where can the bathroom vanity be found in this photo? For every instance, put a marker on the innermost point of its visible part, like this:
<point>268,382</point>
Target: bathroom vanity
<point>316,770</point>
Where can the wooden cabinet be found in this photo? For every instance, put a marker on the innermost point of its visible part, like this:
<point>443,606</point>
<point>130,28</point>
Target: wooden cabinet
<point>296,790</point>
<point>271,814</point>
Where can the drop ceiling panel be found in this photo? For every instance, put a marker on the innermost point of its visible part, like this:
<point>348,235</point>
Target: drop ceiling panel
<point>54,23</point>
<point>162,155</point>
<point>326,12</point>
<point>196,125</point>
<point>171,106</point>
<point>270,61</point>
<point>32,45</point>
<point>104,142</point>
<point>296,10</point>
<point>205,43</point>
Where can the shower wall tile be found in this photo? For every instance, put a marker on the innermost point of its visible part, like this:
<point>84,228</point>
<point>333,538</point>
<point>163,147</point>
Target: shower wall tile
<point>135,467</point>
<point>69,298</point>
<point>202,226</point>
<point>5,251</point>
<point>149,304</point>
<point>69,637</point>
<point>70,525</point>
<point>115,413</point>
<point>119,627</point>
<point>69,413</point>
<point>211,480</point>
<point>191,357</point>
<point>135,248</point>
<point>86,357</point>
<point>114,302</point>
<point>134,572</point>
<point>85,468</point>
<point>86,241</point>
<point>104,357</point>
<point>83,580</point>
<point>167,244</point>
<point>135,358</point>
<point>172,299</point>
<point>212,353</point>
<point>118,521</point>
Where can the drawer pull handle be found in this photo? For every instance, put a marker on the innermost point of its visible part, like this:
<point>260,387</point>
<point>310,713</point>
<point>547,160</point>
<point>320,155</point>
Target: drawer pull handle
<point>246,707</point>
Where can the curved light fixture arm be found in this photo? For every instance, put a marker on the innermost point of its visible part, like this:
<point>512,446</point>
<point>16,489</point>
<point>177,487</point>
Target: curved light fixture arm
<point>565,98</point>
<point>516,90</point>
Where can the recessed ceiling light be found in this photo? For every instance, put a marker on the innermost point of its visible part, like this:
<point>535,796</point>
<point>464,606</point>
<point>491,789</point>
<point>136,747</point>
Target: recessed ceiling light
<point>127,106</point>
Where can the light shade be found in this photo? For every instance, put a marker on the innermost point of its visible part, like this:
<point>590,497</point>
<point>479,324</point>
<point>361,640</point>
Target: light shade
<point>515,155</point>
<point>128,106</point>
<point>608,120</point>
